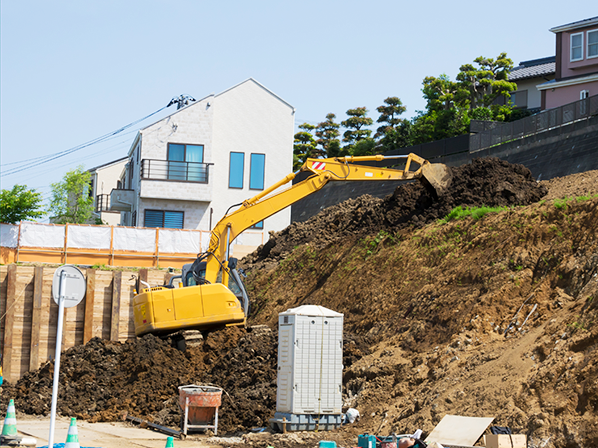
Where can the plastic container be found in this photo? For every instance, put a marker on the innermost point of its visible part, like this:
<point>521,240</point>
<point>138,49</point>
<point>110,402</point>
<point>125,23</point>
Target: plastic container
<point>200,405</point>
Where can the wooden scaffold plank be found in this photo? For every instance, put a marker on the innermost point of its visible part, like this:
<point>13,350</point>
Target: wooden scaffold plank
<point>116,294</point>
<point>89,302</point>
<point>36,317</point>
<point>9,322</point>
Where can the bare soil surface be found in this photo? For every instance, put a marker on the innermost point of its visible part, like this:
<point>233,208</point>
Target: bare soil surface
<point>489,181</point>
<point>490,317</point>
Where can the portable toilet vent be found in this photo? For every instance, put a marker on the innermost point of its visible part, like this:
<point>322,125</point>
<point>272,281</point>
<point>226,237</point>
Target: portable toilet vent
<point>310,368</point>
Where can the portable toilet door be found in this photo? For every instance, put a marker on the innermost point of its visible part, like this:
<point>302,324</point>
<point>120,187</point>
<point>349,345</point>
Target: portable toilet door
<point>310,361</point>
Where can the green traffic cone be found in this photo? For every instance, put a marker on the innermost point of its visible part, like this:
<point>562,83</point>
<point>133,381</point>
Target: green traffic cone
<point>72,438</point>
<point>10,422</point>
<point>169,442</point>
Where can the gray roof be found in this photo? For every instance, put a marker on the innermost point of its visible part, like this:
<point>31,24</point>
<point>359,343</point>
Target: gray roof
<point>575,25</point>
<point>534,68</point>
<point>95,168</point>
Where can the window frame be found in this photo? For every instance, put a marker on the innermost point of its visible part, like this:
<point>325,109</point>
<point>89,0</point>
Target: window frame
<point>571,47</point>
<point>163,218</point>
<point>203,150</point>
<point>588,45</point>
<point>230,158</point>
<point>251,170</point>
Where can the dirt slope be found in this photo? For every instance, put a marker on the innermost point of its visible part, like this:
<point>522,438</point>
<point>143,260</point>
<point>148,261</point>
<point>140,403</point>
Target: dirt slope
<point>492,317</point>
<point>439,307</point>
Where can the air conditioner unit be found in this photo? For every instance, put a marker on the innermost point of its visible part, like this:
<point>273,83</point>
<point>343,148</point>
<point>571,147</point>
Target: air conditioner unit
<point>584,94</point>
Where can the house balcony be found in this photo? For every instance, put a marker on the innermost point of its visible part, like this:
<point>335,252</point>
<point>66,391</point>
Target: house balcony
<point>121,200</point>
<point>102,203</point>
<point>167,179</point>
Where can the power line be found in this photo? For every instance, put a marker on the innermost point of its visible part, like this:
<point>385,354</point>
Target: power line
<point>66,152</point>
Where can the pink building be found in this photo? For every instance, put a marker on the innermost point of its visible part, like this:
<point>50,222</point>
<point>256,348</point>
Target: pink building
<point>576,74</point>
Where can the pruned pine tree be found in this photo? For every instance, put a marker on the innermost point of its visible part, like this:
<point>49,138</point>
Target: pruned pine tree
<point>327,133</point>
<point>304,146</point>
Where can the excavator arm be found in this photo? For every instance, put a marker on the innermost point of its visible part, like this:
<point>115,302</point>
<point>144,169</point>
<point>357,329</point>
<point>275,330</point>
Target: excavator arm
<point>210,303</point>
<point>435,177</point>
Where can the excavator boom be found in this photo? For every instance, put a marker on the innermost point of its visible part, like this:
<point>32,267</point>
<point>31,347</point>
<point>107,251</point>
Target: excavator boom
<point>158,310</point>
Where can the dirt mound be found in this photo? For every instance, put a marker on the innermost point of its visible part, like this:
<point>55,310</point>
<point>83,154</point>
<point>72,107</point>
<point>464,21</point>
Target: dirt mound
<point>580,184</point>
<point>488,181</point>
<point>101,380</point>
<point>490,317</point>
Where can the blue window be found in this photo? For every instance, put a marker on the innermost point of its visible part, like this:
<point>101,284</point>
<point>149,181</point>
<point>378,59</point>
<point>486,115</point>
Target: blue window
<point>258,225</point>
<point>162,218</point>
<point>185,162</point>
<point>256,174</point>
<point>235,174</point>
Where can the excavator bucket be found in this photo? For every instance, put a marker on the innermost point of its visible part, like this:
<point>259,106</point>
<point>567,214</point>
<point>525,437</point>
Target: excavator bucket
<point>436,177</point>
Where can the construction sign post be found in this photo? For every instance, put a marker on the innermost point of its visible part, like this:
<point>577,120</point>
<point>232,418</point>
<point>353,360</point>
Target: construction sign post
<point>68,289</point>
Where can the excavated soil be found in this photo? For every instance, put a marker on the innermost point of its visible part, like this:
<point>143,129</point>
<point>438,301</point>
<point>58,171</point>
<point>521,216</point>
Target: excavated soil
<point>489,181</point>
<point>102,380</point>
<point>490,317</point>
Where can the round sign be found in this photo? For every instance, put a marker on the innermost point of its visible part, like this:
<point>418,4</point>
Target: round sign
<point>74,285</point>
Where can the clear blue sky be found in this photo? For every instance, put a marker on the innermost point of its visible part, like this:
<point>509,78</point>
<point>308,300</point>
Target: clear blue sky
<point>72,71</point>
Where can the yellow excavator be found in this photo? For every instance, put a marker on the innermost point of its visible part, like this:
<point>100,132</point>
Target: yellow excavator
<point>211,293</point>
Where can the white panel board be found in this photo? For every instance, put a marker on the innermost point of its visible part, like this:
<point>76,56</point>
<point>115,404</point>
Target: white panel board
<point>459,430</point>
<point>9,235</point>
<point>89,237</point>
<point>41,235</point>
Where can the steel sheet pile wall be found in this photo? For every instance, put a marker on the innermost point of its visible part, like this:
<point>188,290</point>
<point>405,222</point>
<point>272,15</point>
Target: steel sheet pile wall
<point>29,315</point>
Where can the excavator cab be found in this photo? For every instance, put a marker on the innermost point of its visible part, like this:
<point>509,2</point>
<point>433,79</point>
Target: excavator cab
<point>196,276</point>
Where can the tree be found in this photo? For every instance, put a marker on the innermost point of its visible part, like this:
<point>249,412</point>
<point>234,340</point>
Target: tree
<point>355,124</point>
<point>389,115</point>
<point>19,204</point>
<point>71,201</point>
<point>486,82</point>
<point>451,105</point>
<point>394,132</point>
<point>304,146</point>
<point>328,133</point>
<point>443,94</point>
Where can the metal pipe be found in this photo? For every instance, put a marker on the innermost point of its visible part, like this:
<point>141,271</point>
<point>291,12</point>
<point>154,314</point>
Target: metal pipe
<point>61,294</point>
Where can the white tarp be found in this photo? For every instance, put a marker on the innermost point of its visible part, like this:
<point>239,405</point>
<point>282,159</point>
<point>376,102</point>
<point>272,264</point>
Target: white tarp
<point>9,235</point>
<point>88,237</point>
<point>174,240</point>
<point>135,240</point>
<point>41,235</point>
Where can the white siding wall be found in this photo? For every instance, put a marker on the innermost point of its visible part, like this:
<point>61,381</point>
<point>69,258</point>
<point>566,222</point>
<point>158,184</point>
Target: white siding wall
<point>246,118</point>
<point>104,180</point>
<point>250,119</point>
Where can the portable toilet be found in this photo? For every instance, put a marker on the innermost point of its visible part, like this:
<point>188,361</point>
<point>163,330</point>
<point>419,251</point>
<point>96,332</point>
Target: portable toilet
<point>310,369</point>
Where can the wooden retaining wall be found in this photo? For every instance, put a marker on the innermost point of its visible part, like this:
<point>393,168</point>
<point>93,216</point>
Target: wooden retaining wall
<point>29,315</point>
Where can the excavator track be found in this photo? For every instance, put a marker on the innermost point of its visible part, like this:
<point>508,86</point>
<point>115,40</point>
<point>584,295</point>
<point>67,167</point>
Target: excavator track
<point>184,339</point>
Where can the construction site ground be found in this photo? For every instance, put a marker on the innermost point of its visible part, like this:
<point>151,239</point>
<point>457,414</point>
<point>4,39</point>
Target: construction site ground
<point>495,317</point>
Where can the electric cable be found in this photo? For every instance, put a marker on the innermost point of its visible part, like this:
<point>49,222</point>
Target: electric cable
<point>94,141</point>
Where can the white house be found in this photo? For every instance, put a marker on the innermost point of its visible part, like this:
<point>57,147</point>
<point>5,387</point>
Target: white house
<point>103,179</point>
<point>186,170</point>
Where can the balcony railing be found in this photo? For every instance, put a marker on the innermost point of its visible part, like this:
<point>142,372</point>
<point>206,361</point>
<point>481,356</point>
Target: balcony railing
<point>175,171</point>
<point>102,203</point>
<point>498,132</point>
